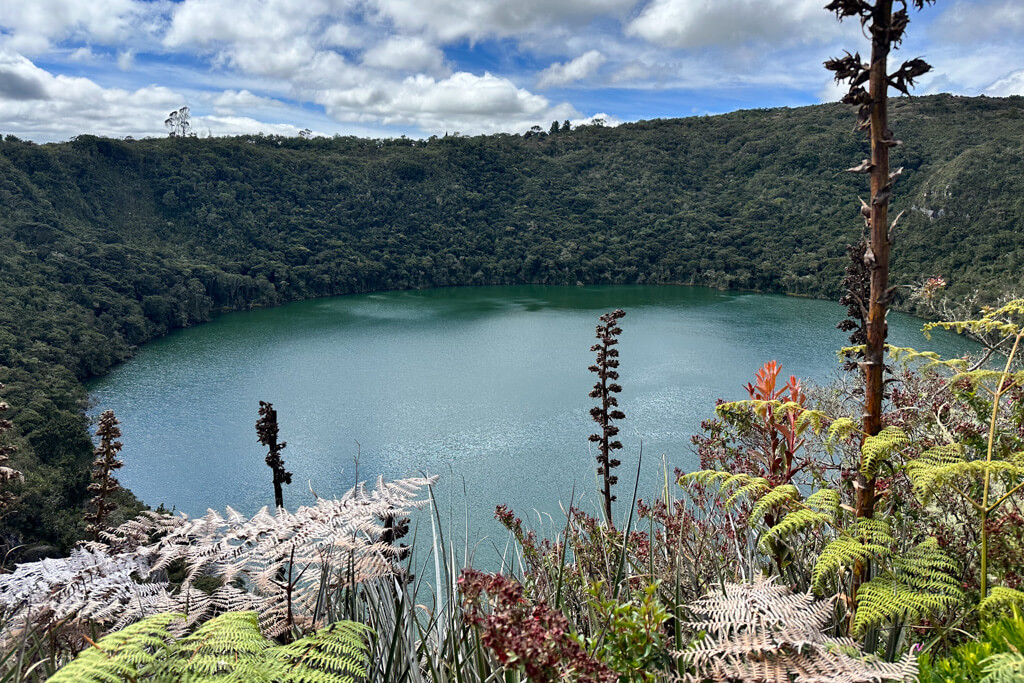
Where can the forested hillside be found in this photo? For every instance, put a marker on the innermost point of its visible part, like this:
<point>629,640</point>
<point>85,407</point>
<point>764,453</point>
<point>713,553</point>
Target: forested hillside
<point>105,243</point>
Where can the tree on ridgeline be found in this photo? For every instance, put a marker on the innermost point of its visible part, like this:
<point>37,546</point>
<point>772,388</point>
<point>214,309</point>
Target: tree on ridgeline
<point>179,123</point>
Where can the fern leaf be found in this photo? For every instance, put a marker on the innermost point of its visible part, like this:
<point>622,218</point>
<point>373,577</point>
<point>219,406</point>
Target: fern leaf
<point>230,647</point>
<point>825,501</point>
<point>745,485</point>
<point>815,419</point>
<point>335,654</point>
<point>920,584</point>
<point>941,466</point>
<point>780,496</point>
<point>876,449</point>
<point>1005,667</point>
<point>122,655</point>
<point>869,539</point>
<point>793,523</point>
<point>841,429</point>
<point>1001,602</point>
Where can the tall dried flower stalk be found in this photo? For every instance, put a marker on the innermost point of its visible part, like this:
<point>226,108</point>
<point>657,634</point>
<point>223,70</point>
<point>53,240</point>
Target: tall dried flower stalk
<point>603,414</point>
<point>104,484</point>
<point>266,430</point>
<point>885,28</point>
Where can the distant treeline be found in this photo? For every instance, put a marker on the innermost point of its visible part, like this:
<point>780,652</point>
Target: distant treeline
<point>105,244</point>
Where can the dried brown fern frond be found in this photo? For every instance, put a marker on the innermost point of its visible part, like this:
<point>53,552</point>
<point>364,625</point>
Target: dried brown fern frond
<point>281,565</point>
<point>765,632</point>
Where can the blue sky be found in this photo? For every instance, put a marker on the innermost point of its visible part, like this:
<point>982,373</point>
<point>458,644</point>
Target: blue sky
<point>385,68</point>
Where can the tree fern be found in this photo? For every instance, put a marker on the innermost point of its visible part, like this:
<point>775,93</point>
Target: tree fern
<point>1005,667</point>
<point>877,449</point>
<point>1000,601</point>
<point>819,510</point>
<point>841,428</point>
<point>335,654</point>
<point>739,485</point>
<point>229,647</point>
<point>778,497</point>
<point>868,539</point>
<point>920,584</point>
<point>123,655</point>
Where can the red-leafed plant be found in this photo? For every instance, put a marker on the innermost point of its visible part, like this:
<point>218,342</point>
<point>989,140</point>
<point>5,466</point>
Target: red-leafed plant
<point>532,636</point>
<point>780,436</point>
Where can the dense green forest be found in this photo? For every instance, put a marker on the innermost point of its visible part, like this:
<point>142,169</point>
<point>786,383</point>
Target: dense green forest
<point>105,244</point>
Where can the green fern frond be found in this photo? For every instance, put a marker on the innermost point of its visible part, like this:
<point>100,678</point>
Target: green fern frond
<point>1006,667</point>
<point>938,467</point>
<point>841,429</point>
<point>780,496</point>
<point>740,409</point>
<point>928,359</point>
<point>793,523</point>
<point>122,655</point>
<point>825,501</point>
<point>920,584</point>
<point>815,419</point>
<point>745,485</point>
<point>229,647</point>
<point>748,487</point>
<point>1001,601</point>
<point>335,654</point>
<point>926,471</point>
<point>877,449</point>
<point>868,539</point>
<point>994,320</point>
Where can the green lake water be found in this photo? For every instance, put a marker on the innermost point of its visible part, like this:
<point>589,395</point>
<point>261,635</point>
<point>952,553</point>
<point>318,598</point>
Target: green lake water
<point>486,387</point>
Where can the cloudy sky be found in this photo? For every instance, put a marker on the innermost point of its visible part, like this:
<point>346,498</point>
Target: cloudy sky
<point>384,68</point>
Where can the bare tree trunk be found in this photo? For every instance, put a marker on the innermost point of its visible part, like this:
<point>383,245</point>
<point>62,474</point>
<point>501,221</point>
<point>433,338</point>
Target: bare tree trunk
<point>876,258</point>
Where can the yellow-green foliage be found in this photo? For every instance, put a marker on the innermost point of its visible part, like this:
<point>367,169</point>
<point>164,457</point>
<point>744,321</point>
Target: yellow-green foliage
<point>821,508</point>
<point>780,496</point>
<point>942,466</point>
<point>841,429</point>
<point>920,584</point>
<point>739,484</point>
<point>128,654</point>
<point>877,449</point>
<point>994,321</point>
<point>1001,601</point>
<point>996,656</point>
<point>227,648</point>
<point>869,539</point>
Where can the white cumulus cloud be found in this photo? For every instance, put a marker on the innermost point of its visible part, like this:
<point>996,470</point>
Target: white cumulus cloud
<point>569,72</point>
<point>404,53</point>
<point>702,23</point>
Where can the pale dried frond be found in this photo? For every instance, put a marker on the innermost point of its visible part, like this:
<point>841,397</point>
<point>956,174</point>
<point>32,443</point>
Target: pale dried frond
<point>280,565</point>
<point>765,632</point>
